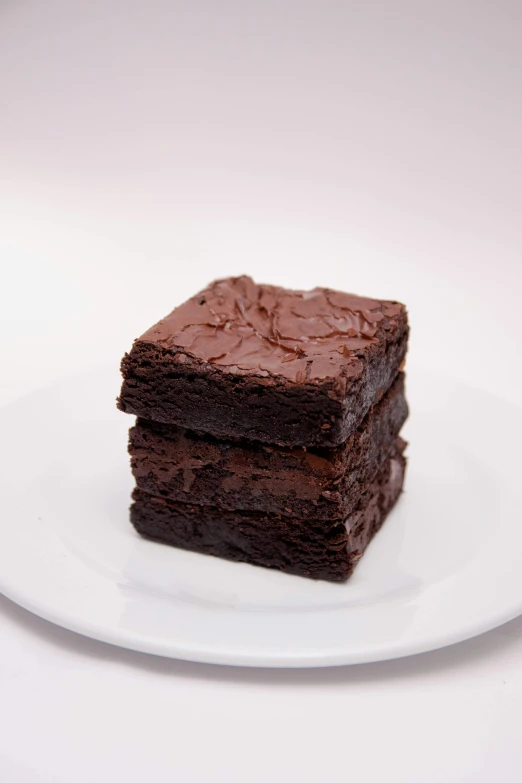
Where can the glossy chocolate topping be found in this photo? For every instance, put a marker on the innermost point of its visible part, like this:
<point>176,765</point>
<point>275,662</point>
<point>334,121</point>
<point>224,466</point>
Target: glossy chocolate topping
<point>303,336</point>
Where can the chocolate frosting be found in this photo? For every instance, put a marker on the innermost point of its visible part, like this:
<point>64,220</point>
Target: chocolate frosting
<point>302,336</point>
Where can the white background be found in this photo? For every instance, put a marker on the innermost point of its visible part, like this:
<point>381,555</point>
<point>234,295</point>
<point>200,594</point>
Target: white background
<point>148,147</point>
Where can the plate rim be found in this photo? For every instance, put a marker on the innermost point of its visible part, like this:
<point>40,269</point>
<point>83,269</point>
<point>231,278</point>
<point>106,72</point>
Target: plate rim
<point>226,654</point>
<point>220,657</point>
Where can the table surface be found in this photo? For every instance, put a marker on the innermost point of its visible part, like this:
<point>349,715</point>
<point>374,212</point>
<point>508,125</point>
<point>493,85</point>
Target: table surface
<point>149,147</point>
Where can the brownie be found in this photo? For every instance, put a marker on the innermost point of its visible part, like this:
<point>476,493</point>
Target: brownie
<point>242,360</point>
<point>321,484</point>
<point>311,548</point>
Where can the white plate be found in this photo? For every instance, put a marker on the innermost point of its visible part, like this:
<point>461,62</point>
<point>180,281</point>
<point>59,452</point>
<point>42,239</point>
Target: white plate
<point>445,567</point>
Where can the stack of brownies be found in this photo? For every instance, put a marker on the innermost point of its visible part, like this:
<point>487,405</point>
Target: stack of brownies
<point>268,425</point>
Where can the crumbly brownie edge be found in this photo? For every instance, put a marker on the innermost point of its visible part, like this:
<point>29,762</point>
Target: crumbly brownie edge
<point>326,484</point>
<point>199,396</point>
<point>309,549</point>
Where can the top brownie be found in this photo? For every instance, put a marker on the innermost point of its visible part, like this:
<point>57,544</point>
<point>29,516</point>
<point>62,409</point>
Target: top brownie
<point>295,368</point>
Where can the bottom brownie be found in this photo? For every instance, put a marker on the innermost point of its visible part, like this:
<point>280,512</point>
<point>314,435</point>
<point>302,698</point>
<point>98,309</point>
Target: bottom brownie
<point>312,548</point>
